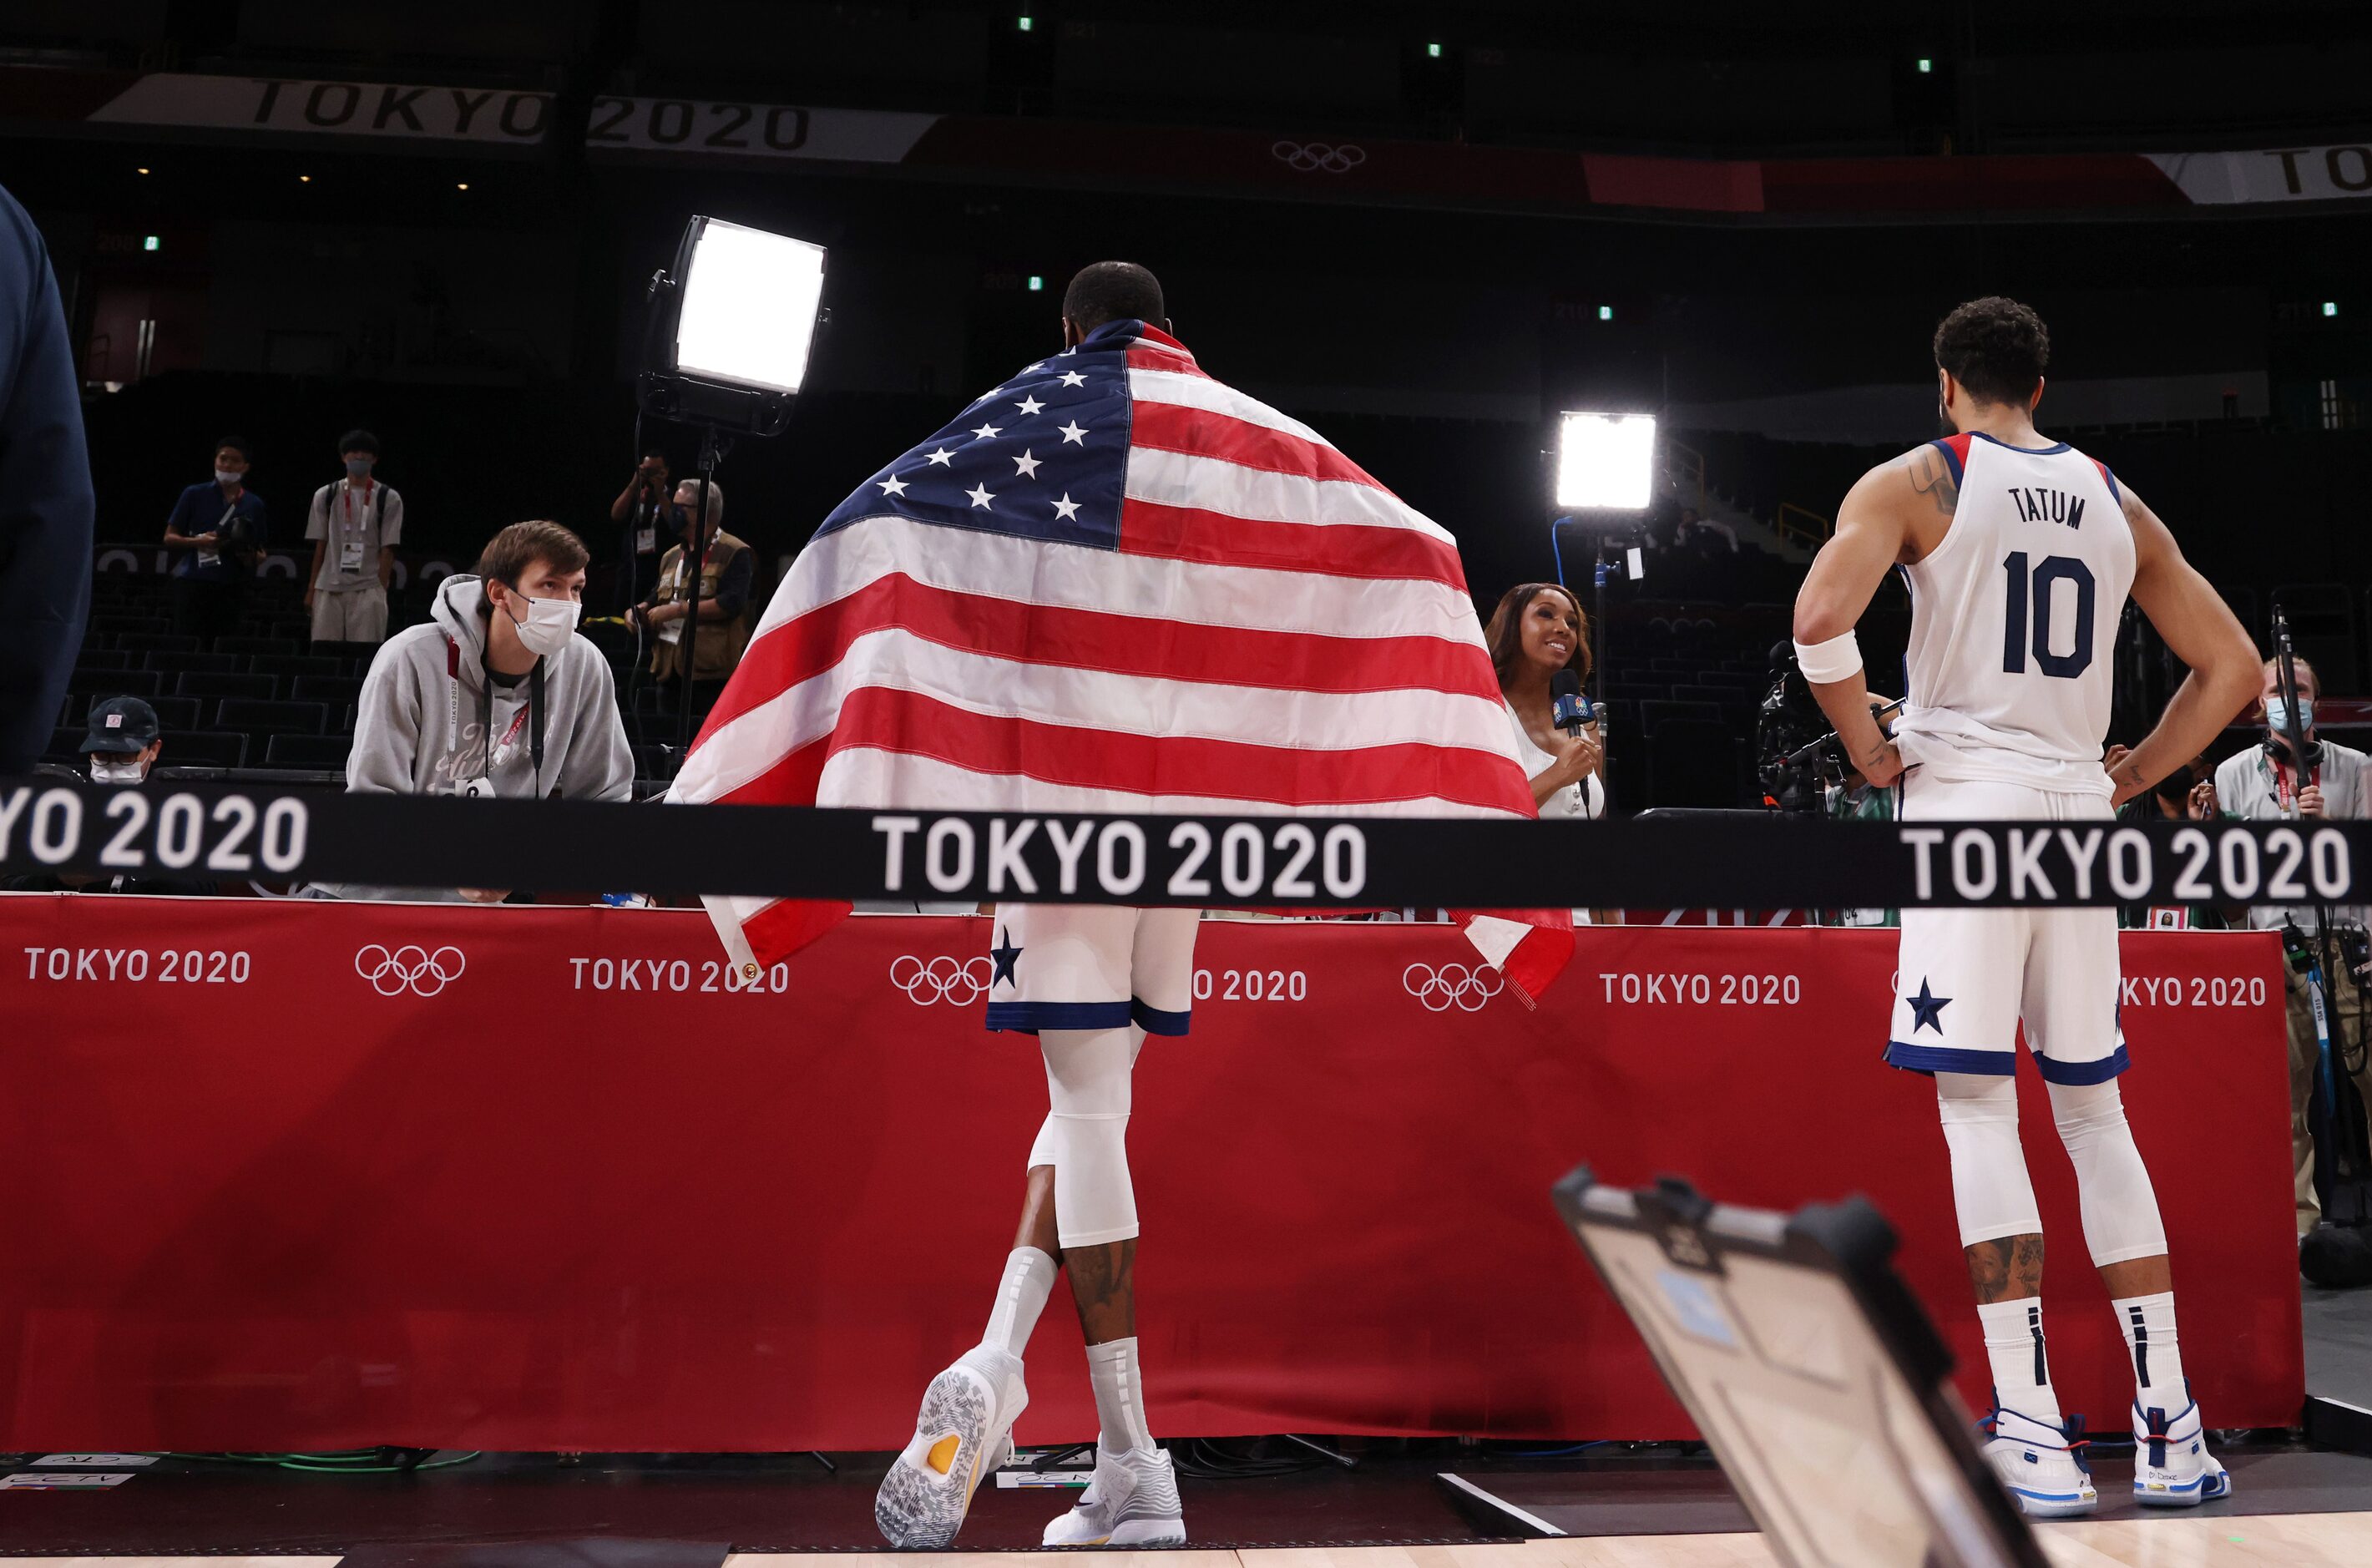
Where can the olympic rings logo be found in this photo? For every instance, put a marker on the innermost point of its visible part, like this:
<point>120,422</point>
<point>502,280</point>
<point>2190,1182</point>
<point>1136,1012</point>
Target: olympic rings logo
<point>1317,157</point>
<point>941,978</point>
<point>1452,985</point>
<point>409,968</point>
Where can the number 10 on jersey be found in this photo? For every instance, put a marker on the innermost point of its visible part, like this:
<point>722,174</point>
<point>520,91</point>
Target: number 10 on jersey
<point>2030,606</point>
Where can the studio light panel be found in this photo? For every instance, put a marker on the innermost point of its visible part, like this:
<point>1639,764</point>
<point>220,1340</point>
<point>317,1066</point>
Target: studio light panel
<point>750,304</point>
<point>1606,461</point>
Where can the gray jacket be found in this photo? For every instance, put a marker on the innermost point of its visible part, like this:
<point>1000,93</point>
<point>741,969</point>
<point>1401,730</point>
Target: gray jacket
<point>429,722</point>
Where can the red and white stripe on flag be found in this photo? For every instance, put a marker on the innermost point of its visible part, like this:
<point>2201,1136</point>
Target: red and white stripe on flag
<point>1270,632</point>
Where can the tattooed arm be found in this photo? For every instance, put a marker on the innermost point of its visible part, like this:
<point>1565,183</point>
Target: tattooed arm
<point>1931,476</point>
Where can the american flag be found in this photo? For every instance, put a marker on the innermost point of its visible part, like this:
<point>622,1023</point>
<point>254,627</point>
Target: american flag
<point>1116,584</point>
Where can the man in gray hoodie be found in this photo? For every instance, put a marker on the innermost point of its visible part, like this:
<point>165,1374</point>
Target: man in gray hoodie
<point>495,695</point>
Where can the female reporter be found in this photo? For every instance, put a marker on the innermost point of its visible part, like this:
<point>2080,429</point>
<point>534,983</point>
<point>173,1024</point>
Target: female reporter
<point>1538,630</point>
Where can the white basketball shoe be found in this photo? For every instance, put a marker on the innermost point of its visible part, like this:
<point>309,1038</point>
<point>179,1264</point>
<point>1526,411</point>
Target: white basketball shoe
<point>2172,1468</point>
<point>2038,1463</point>
<point>1131,1502</point>
<point>964,1432</point>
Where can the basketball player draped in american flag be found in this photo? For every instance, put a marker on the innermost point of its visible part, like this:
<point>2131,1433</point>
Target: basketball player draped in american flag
<point>1113,584</point>
<point>2020,552</point>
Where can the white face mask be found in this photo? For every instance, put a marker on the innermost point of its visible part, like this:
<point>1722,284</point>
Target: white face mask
<point>228,480</point>
<point>550,623</point>
<point>130,770</point>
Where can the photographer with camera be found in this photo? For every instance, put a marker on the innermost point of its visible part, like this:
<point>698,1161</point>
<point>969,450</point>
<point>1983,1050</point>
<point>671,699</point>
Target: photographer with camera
<point>220,526</point>
<point>2264,783</point>
<point>650,522</point>
<point>727,569</point>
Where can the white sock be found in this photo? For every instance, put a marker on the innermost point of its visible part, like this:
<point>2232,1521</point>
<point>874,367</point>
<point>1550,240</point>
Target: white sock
<point>1120,1395</point>
<point>2014,1346</point>
<point>1021,1297</point>
<point>2148,1324</point>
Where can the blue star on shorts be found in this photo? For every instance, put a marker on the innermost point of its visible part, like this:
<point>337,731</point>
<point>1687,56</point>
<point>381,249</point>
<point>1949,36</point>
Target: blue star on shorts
<point>1927,1009</point>
<point>1004,956</point>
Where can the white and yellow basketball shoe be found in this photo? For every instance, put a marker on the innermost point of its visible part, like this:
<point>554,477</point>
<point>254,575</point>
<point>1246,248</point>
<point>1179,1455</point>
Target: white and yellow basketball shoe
<point>964,1432</point>
<point>1131,1502</point>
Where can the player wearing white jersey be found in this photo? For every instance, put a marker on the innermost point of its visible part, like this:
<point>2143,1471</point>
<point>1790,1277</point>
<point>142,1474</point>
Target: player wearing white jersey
<point>2019,552</point>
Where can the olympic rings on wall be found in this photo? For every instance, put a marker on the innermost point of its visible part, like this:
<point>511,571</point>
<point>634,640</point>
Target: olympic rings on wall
<point>1452,985</point>
<point>409,968</point>
<point>942,979</point>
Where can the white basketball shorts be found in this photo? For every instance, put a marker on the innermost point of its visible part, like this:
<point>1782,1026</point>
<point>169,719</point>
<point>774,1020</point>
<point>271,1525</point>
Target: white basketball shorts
<point>1967,977</point>
<point>1091,967</point>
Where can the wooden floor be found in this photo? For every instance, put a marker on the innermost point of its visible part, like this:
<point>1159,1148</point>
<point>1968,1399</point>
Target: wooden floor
<point>2293,1540</point>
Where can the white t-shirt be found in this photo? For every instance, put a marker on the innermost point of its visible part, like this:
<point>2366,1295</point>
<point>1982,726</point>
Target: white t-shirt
<point>1570,801</point>
<point>354,522</point>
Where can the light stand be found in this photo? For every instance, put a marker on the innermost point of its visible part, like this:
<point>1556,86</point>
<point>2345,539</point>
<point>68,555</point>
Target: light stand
<point>713,447</point>
<point>1605,478</point>
<point>2335,1135</point>
<point>732,327</point>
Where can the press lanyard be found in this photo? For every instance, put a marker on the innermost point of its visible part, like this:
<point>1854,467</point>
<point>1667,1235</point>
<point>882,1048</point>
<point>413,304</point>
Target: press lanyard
<point>534,716</point>
<point>684,570</point>
<point>2284,789</point>
<point>486,745</point>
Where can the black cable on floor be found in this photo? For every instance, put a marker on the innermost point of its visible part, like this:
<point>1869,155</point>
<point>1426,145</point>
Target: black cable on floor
<point>343,1461</point>
<point>1206,1458</point>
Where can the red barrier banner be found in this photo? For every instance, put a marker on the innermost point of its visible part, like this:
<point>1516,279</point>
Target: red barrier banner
<point>295,1176</point>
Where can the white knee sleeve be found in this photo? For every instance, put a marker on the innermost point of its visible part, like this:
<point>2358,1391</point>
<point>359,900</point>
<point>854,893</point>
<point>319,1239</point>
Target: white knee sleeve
<point>1989,1186</point>
<point>1087,1078</point>
<point>2121,1217</point>
<point>1042,1148</point>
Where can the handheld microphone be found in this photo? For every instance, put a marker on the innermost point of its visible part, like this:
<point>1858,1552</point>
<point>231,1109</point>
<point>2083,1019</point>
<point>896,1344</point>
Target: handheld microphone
<point>1573,709</point>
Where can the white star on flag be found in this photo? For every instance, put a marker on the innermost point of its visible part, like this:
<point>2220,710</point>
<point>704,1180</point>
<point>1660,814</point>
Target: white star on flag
<point>942,457</point>
<point>1066,508</point>
<point>986,432</point>
<point>1073,432</point>
<point>1073,378</point>
<point>1029,405</point>
<point>980,496</point>
<point>893,485</point>
<point>1025,464</point>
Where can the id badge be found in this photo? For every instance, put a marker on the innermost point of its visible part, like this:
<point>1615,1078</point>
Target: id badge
<point>350,556</point>
<point>647,540</point>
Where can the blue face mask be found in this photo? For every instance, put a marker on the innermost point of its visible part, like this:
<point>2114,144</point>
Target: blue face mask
<point>2277,716</point>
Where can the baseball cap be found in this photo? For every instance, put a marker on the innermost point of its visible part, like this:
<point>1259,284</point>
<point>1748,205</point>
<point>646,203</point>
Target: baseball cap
<point>120,725</point>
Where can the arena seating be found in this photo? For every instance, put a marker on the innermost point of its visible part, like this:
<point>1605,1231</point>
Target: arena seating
<point>266,696</point>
